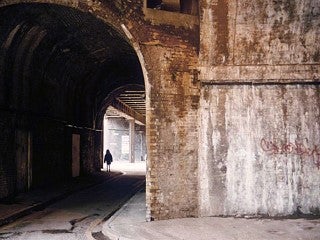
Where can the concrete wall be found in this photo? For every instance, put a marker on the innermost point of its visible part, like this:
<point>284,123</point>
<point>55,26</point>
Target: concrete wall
<point>259,115</point>
<point>260,150</point>
<point>258,34</point>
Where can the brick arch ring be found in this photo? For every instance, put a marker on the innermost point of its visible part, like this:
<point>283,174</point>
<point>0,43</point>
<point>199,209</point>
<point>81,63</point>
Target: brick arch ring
<point>103,13</point>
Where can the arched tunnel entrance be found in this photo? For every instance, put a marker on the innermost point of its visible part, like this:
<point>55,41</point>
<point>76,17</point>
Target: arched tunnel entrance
<point>59,70</point>
<point>124,126</point>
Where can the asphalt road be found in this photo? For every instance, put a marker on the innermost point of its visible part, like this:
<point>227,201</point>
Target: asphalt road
<point>79,215</point>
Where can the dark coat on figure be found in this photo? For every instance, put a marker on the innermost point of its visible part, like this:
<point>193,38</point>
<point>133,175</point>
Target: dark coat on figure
<point>108,157</point>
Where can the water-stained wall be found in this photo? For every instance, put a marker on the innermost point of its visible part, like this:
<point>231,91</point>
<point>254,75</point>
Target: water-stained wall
<point>260,150</point>
<point>259,40</point>
<point>259,130</point>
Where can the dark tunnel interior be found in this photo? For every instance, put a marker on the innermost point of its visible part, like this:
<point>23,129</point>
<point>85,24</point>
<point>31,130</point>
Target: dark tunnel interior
<point>58,66</point>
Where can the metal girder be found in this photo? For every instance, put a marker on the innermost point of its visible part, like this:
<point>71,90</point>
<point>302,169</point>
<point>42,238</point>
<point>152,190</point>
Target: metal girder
<point>122,109</point>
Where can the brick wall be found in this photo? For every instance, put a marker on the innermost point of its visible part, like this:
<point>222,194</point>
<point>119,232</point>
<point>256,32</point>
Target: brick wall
<point>49,151</point>
<point>36,102</point>
<point>172,133</point>
<point>7,156</point>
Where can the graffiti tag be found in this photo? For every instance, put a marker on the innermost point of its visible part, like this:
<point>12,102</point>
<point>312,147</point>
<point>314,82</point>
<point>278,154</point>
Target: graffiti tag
<point>296,148</point>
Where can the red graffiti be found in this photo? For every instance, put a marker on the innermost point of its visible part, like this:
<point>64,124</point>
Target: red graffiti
<point>295,148</point>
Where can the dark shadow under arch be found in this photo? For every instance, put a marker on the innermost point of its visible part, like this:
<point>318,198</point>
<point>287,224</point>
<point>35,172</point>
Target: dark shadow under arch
<point>59,66</point>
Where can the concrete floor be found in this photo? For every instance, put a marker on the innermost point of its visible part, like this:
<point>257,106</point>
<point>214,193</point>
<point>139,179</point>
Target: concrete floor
<point>137,168</point>
<point>129,223</point>
<point>77,216</point>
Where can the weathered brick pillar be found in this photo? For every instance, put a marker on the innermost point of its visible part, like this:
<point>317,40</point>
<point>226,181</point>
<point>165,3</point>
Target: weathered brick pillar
<point>172,133</point>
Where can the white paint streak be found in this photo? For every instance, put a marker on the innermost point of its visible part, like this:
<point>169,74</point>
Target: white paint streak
<point>204,196</point>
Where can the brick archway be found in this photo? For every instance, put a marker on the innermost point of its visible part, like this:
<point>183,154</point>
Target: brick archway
<point>48,50</point>
<point>167,54</point>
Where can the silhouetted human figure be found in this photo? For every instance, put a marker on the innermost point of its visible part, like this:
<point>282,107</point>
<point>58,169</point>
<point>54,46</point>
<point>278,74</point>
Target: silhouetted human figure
<point>108,159</point>
<point>155,4</point>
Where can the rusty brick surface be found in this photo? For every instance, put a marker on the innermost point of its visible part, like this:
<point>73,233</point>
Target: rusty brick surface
<point>172,168</point>
<point>168,53</point>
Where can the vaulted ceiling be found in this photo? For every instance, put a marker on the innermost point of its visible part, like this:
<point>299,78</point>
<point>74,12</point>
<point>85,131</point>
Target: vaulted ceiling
<point>62,51</point>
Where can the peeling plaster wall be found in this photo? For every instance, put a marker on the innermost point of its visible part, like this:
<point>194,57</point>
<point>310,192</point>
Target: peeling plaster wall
<point>259,40</point>
<point>259,110</point>
<point>276,32</point>
<point>260,150</point>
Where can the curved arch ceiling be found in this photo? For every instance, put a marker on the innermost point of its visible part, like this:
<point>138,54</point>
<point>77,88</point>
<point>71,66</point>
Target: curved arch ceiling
<point>67,59</point>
